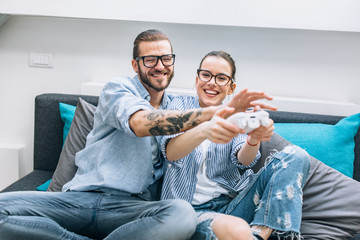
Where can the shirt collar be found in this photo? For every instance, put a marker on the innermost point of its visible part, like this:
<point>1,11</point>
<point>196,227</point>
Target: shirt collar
<point>197,103</point>
<point>166,99</point>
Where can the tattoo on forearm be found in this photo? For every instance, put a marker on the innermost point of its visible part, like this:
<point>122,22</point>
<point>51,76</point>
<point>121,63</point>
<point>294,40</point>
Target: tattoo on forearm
<point>172,124</point>
<point>155,115</point>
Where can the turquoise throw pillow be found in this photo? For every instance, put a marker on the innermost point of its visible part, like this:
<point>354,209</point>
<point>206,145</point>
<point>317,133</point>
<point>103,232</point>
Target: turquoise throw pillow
<point>332,144</point>
<point>44,186</point>
<point>67,113</point>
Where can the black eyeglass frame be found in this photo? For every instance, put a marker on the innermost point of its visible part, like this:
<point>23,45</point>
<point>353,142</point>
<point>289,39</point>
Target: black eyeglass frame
<point>212,75</point>
<point>157,59</point>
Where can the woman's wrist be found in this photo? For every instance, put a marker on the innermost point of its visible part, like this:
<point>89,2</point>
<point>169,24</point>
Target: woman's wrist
<point>251,142</point>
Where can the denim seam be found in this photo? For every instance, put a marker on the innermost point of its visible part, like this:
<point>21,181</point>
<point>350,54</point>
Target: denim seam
<point>96,209</point>
<point>268,201</point>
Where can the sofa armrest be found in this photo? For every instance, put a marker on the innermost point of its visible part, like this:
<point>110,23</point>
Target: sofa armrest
<point>30,182</point>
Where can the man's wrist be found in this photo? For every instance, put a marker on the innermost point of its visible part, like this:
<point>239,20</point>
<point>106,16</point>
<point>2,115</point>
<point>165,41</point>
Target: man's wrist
<point>209,112</point>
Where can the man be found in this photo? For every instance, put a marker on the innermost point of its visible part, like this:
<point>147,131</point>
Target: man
<point>109,196</point>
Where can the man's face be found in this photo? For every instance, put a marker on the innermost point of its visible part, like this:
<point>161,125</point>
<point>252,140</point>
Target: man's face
<point>158,77</point>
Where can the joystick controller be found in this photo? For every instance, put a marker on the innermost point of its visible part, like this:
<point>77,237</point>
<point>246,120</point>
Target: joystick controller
<point>250,120</point>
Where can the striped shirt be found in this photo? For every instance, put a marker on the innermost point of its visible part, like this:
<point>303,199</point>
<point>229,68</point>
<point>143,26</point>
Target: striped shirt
<point>221,161</point>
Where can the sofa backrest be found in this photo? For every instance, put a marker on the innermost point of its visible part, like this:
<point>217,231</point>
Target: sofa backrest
<point>48,127</point>
<point>48,132</point>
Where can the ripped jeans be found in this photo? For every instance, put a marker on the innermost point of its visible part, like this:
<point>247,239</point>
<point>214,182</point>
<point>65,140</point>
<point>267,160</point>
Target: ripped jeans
<point>273,198</point>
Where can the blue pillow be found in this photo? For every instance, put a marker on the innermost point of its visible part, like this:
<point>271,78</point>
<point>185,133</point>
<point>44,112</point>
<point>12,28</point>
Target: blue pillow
<point>67,113</point>
<point>44,186</point>
<point>332,144</point>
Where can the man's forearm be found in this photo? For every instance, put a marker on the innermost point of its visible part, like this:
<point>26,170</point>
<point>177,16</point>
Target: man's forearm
<point>166,122</point>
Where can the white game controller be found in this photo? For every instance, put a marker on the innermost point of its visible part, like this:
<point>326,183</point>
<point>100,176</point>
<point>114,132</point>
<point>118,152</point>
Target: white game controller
<point>250,120</point>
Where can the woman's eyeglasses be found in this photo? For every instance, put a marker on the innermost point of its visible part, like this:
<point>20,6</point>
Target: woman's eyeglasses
<point>221,79</point>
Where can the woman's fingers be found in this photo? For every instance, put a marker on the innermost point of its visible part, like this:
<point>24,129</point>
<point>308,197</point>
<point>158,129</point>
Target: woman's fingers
<point>246,99</point>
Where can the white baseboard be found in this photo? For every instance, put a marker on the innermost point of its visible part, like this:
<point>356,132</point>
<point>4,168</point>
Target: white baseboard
<point>283,103</point>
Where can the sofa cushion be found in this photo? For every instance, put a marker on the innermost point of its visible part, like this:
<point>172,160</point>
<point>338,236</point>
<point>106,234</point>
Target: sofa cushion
<point>75,141</point>
<point>331,209</point>
<point>326,142</point>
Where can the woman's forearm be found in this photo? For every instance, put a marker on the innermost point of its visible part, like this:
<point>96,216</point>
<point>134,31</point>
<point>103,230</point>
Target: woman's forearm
<point>249,150</point>
<point>184,144</point>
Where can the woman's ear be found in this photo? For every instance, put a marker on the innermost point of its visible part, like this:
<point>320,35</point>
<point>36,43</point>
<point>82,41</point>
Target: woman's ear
<point>196,80</point>
<point>231,89</point>
<point>135,66</point>
<point>195,83</point>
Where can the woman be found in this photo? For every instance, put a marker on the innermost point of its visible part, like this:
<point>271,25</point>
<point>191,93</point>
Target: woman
<point>210,167</point>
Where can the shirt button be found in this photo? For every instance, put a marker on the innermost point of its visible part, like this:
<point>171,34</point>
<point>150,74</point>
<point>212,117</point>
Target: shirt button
<point>152,171</point>
<point>140,192</point>
<point>169,165</point>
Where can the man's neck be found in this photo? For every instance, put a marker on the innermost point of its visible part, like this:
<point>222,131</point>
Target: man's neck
<point>156,98</point>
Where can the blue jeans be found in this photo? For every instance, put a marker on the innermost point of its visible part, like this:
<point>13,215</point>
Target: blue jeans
<point>272,199</point>
<point>84,215</point>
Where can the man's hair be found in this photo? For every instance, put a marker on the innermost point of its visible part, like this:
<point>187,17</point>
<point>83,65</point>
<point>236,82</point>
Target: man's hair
<point>225,56</point>
<point>148,36</point>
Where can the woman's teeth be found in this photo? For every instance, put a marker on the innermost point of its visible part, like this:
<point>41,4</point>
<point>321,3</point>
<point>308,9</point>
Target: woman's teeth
<point>211,92</point>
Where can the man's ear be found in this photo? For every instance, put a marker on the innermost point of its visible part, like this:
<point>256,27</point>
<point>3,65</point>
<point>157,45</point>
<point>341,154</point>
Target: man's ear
<point>135,65</point>
<point>231,89</point>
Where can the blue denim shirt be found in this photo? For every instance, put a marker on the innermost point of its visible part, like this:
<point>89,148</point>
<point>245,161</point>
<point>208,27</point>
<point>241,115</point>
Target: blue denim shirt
<point>114,158</point>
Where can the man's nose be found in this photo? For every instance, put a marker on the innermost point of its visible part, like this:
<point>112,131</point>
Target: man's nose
<point>159,65</point>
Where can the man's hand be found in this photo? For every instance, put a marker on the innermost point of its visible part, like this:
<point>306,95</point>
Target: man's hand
<point>219,130</point>
<point>247,99</point>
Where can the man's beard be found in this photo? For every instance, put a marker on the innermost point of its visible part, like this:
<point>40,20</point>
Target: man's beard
<point>146,81</point>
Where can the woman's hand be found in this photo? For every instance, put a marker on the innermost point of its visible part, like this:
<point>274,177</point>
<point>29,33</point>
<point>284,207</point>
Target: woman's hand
<point>262,133</point>
<point>248,152</point>
<point>247,99</point>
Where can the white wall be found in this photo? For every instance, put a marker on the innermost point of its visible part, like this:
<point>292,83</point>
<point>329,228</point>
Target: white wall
<point>338,15</point>
<point>322,65</point>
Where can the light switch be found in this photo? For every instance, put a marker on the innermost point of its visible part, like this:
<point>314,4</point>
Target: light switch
<point>39,59</point>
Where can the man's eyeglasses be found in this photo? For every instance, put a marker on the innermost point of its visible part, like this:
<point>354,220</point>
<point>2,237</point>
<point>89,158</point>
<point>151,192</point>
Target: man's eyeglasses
<point>151,61</point>
<point>221,79</point>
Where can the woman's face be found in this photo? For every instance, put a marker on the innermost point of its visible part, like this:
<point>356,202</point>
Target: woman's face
<point>211,94</point>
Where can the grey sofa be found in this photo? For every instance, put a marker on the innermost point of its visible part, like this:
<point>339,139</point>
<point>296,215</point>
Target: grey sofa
<point>48,136</point>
